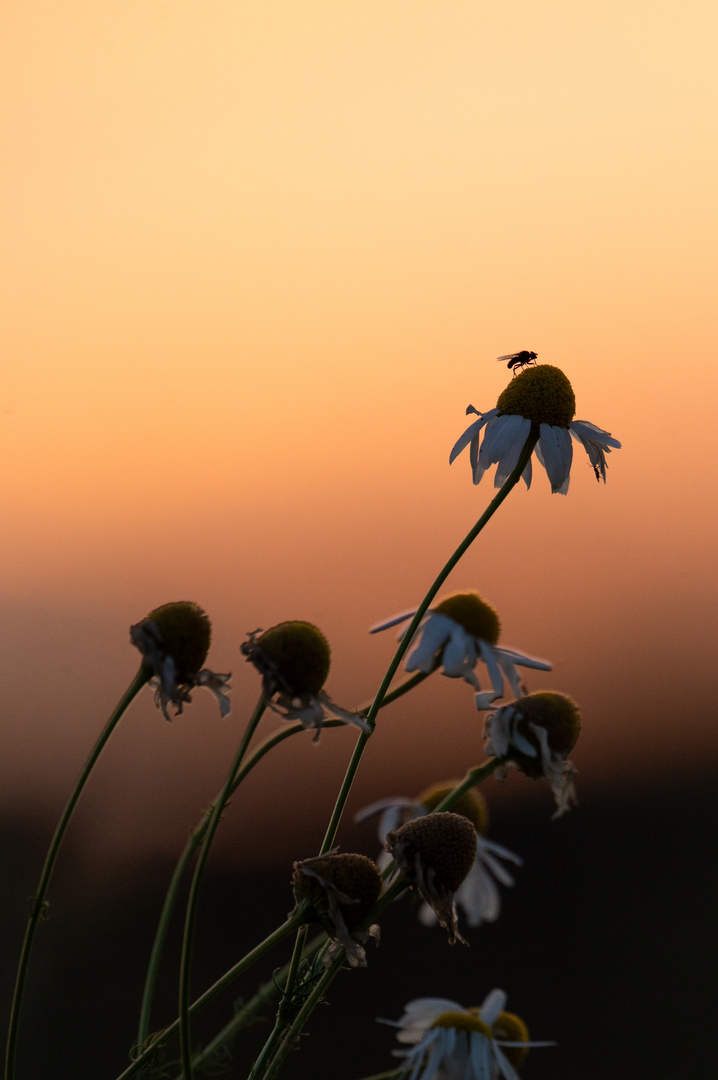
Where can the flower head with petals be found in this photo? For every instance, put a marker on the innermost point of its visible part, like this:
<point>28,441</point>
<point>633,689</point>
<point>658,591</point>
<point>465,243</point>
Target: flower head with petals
<point>456,633</point>
<point>536,734</point>
<point>293,659</point>
<point>451,1042</point>
<point>540,400</point>
<point>174,642</point>
<point>478,895</point>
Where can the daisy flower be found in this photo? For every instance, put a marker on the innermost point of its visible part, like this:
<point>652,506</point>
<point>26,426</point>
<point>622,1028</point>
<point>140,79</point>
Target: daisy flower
<point>455,634</point>
<point>539,399</point>
<point>293,659</point>
<point>174,642</point>
<point>537,733</point>
<point>450,1042</point>
<point>478,895</point>
<point>434,854</point>
<point>340,891</point>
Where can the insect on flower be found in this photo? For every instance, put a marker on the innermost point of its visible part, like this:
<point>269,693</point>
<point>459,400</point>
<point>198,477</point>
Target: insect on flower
<point>519,360</point>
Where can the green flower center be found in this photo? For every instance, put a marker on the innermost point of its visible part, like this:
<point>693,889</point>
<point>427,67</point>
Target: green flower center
<point>186,633</point>
<point>510,1028</point>
<point>473,614</point>
<point>299,654</point>
<point>463,1022</point>
<point>542,394</point>
<point>472,805</point>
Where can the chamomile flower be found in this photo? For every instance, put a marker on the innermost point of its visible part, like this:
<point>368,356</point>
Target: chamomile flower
<point>478,895</point>
<point>541,400</point>
<point>174,642</point>
<point>434,854</point>
<point>455,634</point>
<point>340,891</point>
<point>293,659</point>
<point>450,1042</point>
<point>536,734</point>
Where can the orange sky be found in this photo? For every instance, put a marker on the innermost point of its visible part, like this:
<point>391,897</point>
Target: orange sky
<point>259,258</point>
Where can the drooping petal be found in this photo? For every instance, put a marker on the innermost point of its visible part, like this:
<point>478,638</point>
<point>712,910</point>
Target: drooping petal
<point>508,462</point>
<point>434,633</point>
<point>585,430</point>
<point>555,452</point>
<point>393,620</point>
<point>501,436</point>
<point>464,440</point>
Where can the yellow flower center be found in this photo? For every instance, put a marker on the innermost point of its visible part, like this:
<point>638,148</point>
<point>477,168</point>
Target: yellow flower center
<point>186,633</point>
<point>557,714</point>
<point>473,614</point>
<point>472,805</point>
<point>542,394</point>
<point>511,1028</point>
<point>463,1021</point>
<point>299,654</point>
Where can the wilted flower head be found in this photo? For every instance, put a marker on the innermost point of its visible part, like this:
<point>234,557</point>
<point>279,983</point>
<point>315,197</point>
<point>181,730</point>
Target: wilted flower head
<point>451,1042</point>
<point>174,641</point>
<point>456,633</point>
<point>541,400</point>
<point>478,894</point>
<point>341,890</point>
<point>293,659</point>
<point>434,854</point>
<point>537,733</point>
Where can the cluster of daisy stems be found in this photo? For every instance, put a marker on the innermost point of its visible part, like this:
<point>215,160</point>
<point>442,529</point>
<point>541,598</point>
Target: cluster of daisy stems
<point>434,844</point>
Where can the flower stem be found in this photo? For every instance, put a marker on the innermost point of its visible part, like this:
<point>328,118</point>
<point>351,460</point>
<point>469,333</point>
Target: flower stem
<point>192,903</point>
<point>38,904</point>
<point>282,1018</point>
<point>302,1016</point>
<point>147,1053</point>
<point>183,862</point>
<point>197,836</point>
<point>246,1015</point>
<point>463,547</point>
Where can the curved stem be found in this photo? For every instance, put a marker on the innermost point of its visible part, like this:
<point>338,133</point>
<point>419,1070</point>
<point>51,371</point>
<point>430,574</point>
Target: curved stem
<point>245,1016</point>
<point>302,1016</point>
<point>162,1037</point>
<point>38,904</point>
<point>192,903</point>
<point>441,577</point>
<point>197,836</point>
<point>281,1021</point>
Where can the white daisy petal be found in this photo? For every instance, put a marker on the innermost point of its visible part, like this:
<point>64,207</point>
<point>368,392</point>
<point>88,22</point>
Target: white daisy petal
<point>394,620</point>
<point>461,443</point>
<point>556,453</point>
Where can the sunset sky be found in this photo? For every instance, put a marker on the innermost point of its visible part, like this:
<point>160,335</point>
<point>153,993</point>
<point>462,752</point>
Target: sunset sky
<point>258,258</point>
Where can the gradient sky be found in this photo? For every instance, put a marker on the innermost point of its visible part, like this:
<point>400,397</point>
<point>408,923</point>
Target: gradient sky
<point>258,259</point>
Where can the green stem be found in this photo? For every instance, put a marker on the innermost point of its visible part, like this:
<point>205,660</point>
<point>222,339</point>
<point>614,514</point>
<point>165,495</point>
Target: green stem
<point>185,858</point>
<point>226,980</point>
<point>441,577</point>
<point>284,1005</point>
<point>197,836</point>
<point>142,676</point>
<point>245,1016</point>
<point>302,1016</point>
<point>193,901</point>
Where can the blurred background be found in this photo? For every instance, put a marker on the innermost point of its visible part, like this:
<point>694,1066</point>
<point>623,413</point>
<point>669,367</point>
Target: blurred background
<point>258,260</point>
